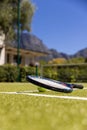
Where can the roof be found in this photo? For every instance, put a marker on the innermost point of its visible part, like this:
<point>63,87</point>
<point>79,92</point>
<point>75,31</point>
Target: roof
<point>30,42</point>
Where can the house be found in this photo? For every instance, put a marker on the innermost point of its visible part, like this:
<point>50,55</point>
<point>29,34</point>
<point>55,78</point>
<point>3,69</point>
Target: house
<point>31,48</point>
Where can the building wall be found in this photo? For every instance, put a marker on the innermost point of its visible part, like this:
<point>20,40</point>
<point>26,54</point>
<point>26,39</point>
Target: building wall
<point>2,48</point>
<point>2,56</point>
<point>8,55</point>
<point>11,57</point>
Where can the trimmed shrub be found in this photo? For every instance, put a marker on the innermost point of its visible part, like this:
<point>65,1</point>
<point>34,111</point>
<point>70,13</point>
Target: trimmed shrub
<point>2,74</point>
<point>22,74</point>
<point>11,73</point>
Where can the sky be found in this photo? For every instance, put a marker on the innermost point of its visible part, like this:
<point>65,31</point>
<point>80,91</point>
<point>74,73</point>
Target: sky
<point>61,24</point>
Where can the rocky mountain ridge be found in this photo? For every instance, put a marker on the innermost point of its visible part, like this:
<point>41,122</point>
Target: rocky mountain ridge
<point>33,43</point>
<point>55,54</point>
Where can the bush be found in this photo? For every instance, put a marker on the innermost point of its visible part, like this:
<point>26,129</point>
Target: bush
<point>8,73</point>
<point>11,73</point>
<point>22,74</point>
<point>30,70</point>
<point>50,72</point>
<point>66,73</point>
<point>2,74</point>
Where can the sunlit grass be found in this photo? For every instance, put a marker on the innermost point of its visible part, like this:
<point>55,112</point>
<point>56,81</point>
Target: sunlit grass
<point>23,112</point>
<point>17,87</point>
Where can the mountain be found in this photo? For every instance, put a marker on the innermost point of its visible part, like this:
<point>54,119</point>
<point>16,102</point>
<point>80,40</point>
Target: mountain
<point>81,53</point>
<point>33,43</point>
<point>29,42</point>
<point>55,54</point>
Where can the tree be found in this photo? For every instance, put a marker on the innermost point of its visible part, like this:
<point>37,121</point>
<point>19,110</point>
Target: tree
<point>76,60</point>
<point>8,16</point>
<point>58,61</point>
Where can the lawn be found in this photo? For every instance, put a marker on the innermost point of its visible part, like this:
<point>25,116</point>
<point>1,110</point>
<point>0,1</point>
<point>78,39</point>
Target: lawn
<point>24,112</point>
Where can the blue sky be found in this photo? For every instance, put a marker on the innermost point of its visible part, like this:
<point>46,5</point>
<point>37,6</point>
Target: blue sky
<point>61,24</point>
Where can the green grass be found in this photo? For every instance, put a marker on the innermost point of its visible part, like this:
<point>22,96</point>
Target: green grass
<point>23,112</point>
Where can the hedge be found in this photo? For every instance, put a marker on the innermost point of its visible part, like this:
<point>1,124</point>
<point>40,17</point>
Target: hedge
<point>9,73</point>
<point>66,74</point>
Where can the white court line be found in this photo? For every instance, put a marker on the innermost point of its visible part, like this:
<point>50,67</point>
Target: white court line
<point>8,93</point>
<point>55,96</point>
<point>85,88</point>
<point>48,96</point>
<point>19,92</point>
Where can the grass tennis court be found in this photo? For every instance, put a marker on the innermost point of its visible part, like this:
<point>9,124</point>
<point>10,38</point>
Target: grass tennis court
<point>25,112</point>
